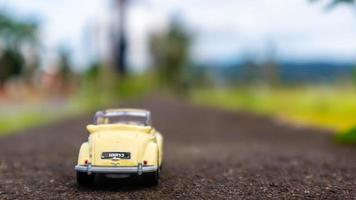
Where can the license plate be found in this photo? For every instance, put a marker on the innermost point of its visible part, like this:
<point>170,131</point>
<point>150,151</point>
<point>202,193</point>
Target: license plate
<point>111,155</point>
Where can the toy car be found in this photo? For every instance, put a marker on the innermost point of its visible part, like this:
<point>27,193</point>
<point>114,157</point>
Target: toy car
<point>122,143</point>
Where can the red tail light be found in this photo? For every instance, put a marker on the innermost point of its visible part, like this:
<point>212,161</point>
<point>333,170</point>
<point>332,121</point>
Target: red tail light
<point>86,162</point>
<point>145,162</point>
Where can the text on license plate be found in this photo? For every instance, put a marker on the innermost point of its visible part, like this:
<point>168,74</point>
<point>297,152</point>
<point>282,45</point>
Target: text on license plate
<point>110,155</point>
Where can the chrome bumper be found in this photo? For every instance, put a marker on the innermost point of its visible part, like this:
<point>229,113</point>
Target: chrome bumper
<point>122,170</point>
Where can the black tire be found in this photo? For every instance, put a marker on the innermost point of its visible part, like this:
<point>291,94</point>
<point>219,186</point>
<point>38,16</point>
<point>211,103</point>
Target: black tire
<point>152,178</point>
<point>84,179</point>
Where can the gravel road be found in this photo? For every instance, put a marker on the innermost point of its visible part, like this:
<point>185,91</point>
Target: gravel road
<point>209,154</point>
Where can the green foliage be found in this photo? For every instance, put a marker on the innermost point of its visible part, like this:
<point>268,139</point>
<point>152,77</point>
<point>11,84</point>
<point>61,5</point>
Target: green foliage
<point>354,75</point>
<point>93,71</point>
<point>250,72</point>
<point>65,68</point>
<point>334,3</point>
<point>100,87</point>
<point>170,55</point>
<point>134,86</point>
<point>347,137</point>
<point>11,62</point>
<point>343,1</point>
<point>15,32</point>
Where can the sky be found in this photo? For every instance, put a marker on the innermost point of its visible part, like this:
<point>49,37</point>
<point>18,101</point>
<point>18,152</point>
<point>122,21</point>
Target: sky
<point>222,30</point>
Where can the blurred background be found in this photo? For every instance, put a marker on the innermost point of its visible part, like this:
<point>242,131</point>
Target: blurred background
<point>293,60</point>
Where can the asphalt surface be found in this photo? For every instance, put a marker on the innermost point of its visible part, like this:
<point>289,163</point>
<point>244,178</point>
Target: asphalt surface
<point>208,154</point>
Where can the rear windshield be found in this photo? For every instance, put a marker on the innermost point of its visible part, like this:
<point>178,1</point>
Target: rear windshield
<point>131,120</point>
<point>139,119</point>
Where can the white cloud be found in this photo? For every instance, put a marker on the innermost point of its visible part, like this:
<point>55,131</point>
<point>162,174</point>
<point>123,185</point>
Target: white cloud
<point>296,26</point>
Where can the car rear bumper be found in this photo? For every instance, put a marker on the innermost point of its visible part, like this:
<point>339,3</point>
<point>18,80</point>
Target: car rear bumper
<point>114,170</point>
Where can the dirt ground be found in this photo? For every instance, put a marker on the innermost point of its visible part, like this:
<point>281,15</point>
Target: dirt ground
<point>208,154</point>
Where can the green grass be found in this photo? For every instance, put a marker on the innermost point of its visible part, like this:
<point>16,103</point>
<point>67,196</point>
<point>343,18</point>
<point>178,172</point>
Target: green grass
<point>347,137</point>
<point>27,118</point>
<point>332,107</point>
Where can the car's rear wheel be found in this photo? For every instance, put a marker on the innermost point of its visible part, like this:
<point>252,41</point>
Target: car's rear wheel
<point>152,178</point>
<point>84,179</point>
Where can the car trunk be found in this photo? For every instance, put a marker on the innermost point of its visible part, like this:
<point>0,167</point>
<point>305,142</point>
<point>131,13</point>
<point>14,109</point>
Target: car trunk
<point>119,148</point>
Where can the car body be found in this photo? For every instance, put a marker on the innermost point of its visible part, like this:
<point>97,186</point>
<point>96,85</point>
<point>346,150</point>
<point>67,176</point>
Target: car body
<point>121,143</point>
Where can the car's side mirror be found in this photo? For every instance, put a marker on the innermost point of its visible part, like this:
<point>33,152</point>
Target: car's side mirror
<point>92,128</point>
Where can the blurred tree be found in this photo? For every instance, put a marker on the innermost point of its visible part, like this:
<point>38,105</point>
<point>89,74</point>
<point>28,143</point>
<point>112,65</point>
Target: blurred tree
<point>120,43</point>
<point>65,70</point>
<point>333,3</point>
<point>170,55</point>
<point>354,75</point>
<point>14,34</point>
<point>272,69</point>
<point>272,73</point>
<point>251,72</point>
<point>202,76</point>
<point>11,64</point>
<point>93,71</point>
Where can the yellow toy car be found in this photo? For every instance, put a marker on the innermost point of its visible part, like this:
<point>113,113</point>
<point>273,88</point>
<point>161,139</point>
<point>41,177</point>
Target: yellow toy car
<point>121,143</point>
